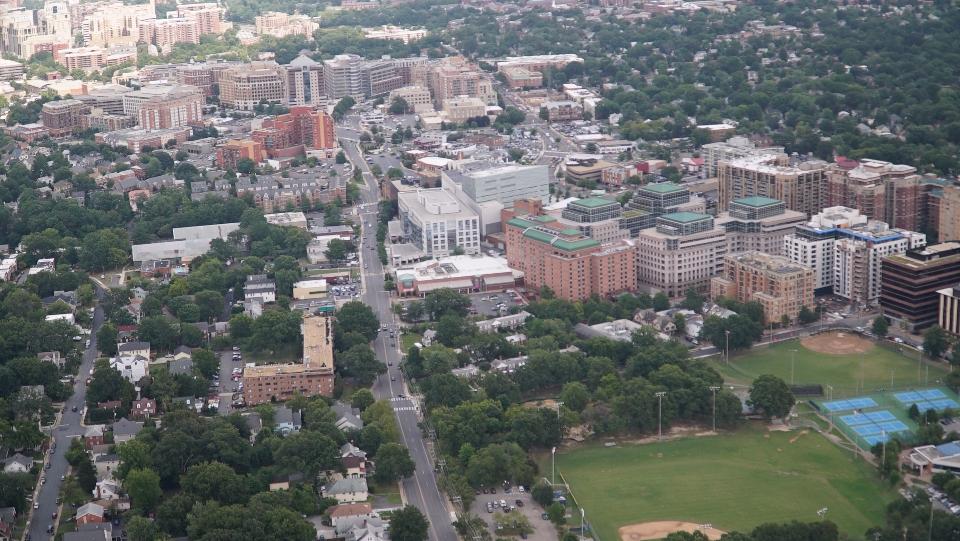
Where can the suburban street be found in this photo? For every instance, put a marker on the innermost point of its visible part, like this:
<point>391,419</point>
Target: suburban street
<point>421,488</point>
<point>68,428</point>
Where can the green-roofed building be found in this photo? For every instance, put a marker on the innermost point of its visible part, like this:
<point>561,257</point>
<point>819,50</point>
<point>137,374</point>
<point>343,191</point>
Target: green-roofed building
<point>756,207</point>
<point>659,199</point>
<point>684,223</point>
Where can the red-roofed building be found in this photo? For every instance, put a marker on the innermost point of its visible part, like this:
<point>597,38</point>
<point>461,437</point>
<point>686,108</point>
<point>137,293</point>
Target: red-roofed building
<point>143,408</point>
<point>303,128</point>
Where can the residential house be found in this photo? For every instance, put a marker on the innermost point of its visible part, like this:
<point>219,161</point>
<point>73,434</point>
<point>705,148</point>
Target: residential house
<point>93,436</point>
<point>125,430</point>
<point>368,528</point>
<point>189,402</point>
<point>133,349</point>
<point>511,321</point>
<point>508,366</point>
<point>661,322</point>
<point>180,366</point>
<point>254,423</point>
<point>341,515</point>
<point>131,367</point>
<point>93,531</point>
<point>89,513</point>
<point>354,466</point>
<point>143,408</point>
<point>107,490</point>
<point>347,418</point>
<point>287,421</point>
<point>69,298</point>
<point>52,357</point>
<point>429,336</point>
<point>258,286</point>
<point>106,465</point>
<point>17,464</point>
<point>347,490</point>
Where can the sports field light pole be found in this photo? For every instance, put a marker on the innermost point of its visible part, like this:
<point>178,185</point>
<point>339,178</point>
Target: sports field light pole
<point>660,396</point>
<point>583,517</point>
<point>883,455</point>
<point>830,388</point>
<point>714,389</point>
<point>727,332</point>
<point>553,461</point>
<point>793,354</point>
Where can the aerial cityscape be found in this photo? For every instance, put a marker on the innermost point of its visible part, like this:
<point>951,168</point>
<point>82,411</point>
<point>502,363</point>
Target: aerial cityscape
<point>480,270</point>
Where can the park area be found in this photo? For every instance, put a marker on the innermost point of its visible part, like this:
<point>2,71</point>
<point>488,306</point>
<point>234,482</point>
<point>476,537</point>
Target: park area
<point>850,364</point>
<point>732,481</point>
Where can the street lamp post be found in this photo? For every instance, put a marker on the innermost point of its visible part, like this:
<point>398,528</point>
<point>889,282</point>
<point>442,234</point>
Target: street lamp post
<point>714,389</point>
<point>660,396</point>
<point>553,467</point>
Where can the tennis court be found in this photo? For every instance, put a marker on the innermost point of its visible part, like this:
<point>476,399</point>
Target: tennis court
<point>874,426</point>
<point>926,399</point>
<point>850,404</point>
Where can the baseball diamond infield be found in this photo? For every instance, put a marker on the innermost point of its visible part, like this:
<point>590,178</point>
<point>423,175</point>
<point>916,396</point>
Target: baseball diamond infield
<point>661,529</point>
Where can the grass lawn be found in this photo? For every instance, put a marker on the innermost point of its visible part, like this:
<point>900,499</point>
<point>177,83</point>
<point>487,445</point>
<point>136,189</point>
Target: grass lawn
<point>71,494</point>
<point>389,494</point>
<point>840,371</point>
<point>408,339</point>
<point>734,481</point>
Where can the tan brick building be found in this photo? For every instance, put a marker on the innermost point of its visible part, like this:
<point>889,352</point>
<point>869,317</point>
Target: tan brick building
<point>246,86</point>
<point>572,265</point>
<point>801,186</point>
<point>781,286</point>
<point>884,191</point>
<point>948,227</point>
<point>314,376</point>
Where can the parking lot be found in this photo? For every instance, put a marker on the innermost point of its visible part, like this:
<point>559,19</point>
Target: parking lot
<point>495,304</point>
<point>543,530</point>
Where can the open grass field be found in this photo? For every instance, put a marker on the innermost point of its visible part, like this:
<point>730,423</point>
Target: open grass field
<point>733,481</point>
<point>879,363</point>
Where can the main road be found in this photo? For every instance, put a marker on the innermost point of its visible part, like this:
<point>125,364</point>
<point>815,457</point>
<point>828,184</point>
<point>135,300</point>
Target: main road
<point>420,489</point>
<point>67,428</point>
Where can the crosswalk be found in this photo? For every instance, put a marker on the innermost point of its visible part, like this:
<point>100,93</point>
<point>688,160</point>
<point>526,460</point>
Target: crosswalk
<point>404,408</point>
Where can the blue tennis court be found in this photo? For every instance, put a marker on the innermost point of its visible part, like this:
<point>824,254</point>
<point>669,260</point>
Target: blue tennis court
<point>879,438</point>
<point>879,416</point>
<point>931,394</point>
<point>855,419</point>
<point>850,404</point>
<point>926,399</point>
<point>944,403</point>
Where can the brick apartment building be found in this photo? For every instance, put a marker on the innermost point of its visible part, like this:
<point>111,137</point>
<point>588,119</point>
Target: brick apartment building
<point>572,265</point>
<point>234,150</point>
<point>303,128</point>
<point>781,286</point>
<point>888,192</point>
<point>62,117</point>
<point>801,186</point>
<point>312,377</point>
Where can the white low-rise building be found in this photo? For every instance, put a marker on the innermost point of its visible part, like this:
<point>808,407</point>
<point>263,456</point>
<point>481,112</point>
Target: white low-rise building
<point>132,368</point>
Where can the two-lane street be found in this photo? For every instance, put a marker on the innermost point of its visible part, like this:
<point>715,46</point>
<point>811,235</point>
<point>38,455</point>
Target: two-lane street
<point>421,488</point>
<point>68,428</point>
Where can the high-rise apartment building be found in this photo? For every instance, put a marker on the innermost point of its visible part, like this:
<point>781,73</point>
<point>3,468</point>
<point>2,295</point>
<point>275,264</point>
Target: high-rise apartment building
<point>801,186</point>
<point>281,25</point>
<point>165,33</point>
<point>173,107</point>
<point>454,77</point>
<point>380,77</point>
<point>207,16</point>
<point>729,150</point>
<point>572,265</point>
<point>948,222</point>
<point>683,251</point>
<point>312,377</point>
<point>343,76</point>
<point>436,223</point>
<point>595,217</point>
<point>758,224</point>
<point>305,82</point>
<point>246,86</point>
<point>844,249</point>
<point>780,285</point>
<point>24,31</point>
<point>417,98</point>
<point>883,191</point>
<point>910,282</point>
<point>111,24</point>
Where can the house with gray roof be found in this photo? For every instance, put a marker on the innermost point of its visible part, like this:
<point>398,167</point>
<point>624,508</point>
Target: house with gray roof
<point>348,490</point>
<point>348,418</point>
<point>125,430</point>
<point>17,464</point>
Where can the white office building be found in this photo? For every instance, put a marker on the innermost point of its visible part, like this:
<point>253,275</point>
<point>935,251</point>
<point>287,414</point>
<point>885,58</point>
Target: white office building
<point>844,248</point>
<point>437,224</point>
<point>483,182</point>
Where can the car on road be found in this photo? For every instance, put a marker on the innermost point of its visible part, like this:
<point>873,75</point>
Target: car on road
<point>36,505</point>
<point>393,378</point>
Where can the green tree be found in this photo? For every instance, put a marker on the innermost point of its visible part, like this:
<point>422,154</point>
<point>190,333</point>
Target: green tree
<point>772,396</point>
<point>159,331</point>
<point>806,316</point>
<point>214,481</point>
<point>661,301</point>
<point>935,341</point>
<point>107,339</point>
<point>142,529</point>
<point>360,363</point>
<point>241,326</point>
<point>341,158</point>
<point>408,524</point>
<point>693,301</point>
<point>86,475</point>
<point>358,317</point>
<point>399,106</point>
<point>575,396</point>
<point>556,513</point>
<point>393,463</point>
<point>143,486</point>
<point>542,493</point>
<point>337,250</point>
<point>210,304</point>
<point>361,399</point>
<point>880,326</point>
<point>105,249</point>
<point>206,362</point>
<point>443,301</point>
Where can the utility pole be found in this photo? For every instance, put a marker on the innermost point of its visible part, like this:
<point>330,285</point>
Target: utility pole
<point>660,396</point>
<point>883,455</point>
<point>714,389</point>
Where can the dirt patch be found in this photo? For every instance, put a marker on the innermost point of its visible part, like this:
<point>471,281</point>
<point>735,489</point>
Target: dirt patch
<point>837,343</point>
<point>797,437</point>
<point>661,529</point>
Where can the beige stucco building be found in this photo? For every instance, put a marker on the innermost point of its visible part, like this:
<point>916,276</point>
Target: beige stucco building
<point>781,286</point>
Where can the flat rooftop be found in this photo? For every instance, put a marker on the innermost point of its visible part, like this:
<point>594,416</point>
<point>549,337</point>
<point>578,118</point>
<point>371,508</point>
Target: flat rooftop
<point>663,187</point>
<point>457,266</point>
<point>685,217</point>
<point>593,202</point>
<point>317,342</point>
<point>757,201</point>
